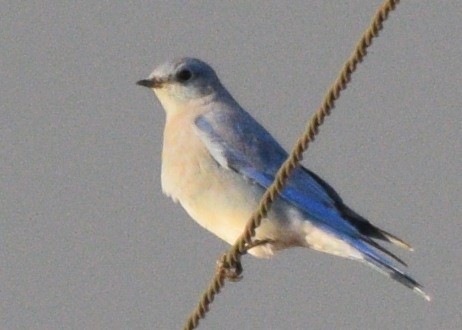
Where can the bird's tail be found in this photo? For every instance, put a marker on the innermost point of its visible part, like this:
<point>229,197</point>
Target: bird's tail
<point>383,265</point>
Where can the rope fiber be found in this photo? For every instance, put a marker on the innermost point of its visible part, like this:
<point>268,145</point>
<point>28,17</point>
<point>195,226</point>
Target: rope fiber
<point>229,266</point>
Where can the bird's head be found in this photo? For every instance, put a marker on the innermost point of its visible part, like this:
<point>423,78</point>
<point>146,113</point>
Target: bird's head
<point>182,80</point>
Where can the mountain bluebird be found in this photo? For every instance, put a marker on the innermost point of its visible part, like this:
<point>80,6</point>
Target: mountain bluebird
<point>217,161</point>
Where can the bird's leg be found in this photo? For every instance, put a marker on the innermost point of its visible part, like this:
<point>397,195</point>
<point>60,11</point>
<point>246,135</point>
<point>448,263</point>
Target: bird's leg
<point>256,243</point>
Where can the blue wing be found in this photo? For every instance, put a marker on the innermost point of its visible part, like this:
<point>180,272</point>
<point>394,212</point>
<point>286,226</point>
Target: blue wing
<point>239,143</point>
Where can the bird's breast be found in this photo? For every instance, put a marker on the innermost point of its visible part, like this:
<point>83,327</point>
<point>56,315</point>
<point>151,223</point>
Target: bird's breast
<point>184,160</point>
<point>219,199</point>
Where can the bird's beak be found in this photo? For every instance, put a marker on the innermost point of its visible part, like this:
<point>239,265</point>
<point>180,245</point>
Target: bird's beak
<point>151,83</point>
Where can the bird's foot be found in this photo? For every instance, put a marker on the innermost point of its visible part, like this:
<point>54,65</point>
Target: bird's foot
<point>231,273</point>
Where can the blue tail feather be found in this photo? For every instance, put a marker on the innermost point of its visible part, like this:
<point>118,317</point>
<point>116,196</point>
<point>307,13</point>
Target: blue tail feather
<point>379,262</point>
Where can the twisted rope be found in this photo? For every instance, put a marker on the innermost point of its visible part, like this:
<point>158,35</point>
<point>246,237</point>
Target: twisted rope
<point>231,260</point>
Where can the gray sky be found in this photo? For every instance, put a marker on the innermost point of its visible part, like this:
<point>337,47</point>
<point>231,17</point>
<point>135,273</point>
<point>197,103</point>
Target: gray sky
<point>88,241</point>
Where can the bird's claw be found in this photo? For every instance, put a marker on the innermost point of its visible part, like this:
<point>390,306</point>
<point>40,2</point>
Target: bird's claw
<point>231,273</point>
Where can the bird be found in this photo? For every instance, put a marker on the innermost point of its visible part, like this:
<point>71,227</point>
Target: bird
<point>217,162</point>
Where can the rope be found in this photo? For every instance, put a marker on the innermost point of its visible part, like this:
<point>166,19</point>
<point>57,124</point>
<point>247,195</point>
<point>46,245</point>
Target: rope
<point>231,260</point>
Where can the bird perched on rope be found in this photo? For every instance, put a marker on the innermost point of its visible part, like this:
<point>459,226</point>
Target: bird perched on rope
<point>217,161</point>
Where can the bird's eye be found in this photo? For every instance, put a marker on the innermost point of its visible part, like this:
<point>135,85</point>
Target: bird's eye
<point>184,75</point>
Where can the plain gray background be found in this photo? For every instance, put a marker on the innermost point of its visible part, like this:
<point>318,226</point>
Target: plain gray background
<point>88,241</point>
